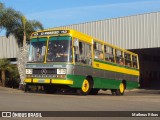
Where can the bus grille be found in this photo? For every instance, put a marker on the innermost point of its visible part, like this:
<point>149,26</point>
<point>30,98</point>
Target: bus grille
<point>44,71</point>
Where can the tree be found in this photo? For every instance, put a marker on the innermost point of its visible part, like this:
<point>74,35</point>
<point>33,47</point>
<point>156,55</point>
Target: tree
<point>23,19</point>
<point>9,18</point>
<point>4,66</point>
<point>1,6</point>
<point>14,78</point>
<point>1,11</point>
<point>23,29</point>
<point>16,24</point>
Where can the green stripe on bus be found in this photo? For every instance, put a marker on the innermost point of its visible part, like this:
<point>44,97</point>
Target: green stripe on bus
<point>39,40</point>
<point>60,38</point>
<point>101,83</point>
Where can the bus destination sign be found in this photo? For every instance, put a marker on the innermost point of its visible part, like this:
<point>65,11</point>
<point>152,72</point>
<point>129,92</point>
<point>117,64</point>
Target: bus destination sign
<point>48,33</point>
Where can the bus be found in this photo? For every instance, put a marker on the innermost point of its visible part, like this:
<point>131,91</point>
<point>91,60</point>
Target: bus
<point>68,59</point>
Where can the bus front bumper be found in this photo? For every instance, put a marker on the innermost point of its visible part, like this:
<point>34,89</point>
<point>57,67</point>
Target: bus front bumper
<point>48,81</point>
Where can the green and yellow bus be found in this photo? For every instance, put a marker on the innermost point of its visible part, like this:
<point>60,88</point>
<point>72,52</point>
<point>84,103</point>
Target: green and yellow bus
<point>65,58</point>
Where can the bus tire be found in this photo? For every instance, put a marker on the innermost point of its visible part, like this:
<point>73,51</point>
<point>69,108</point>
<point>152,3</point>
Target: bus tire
<point>121,89</point>
<point>86,87</point>
<point>26,88</point>
<point>50,89</point>
<point>94,91</point>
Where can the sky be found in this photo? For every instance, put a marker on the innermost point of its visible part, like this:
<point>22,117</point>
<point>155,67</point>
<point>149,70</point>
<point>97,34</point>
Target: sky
<point>55,13</point>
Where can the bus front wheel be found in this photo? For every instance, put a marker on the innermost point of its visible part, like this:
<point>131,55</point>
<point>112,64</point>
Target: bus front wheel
<point>86,87</point>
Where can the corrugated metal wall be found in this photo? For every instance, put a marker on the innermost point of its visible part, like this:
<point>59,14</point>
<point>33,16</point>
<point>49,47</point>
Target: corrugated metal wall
<point>131,32</point>
<point>8,47</point>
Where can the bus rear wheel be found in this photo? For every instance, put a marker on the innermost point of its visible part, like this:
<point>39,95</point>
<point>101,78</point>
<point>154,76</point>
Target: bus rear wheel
<point>119,91</point>
<point>94,91</point>
<point>86,87</point>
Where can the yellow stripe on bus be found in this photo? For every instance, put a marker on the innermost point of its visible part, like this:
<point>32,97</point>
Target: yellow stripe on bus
<point>113,68</point>
<point>27,80</point>
<point>53,81</point>
<point>66,82</point>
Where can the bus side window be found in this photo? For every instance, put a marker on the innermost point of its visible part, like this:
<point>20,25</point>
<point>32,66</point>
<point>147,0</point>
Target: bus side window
<point>127,58</point>
<point>109,53</point>
<point>88,54</point>
<point>83,53</point>
<point>134,60</point>
<point>98,52</point>
<point>80,55</point>
<point>119,57</point>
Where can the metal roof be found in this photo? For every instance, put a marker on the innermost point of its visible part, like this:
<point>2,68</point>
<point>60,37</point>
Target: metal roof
<point>8,47</point>
<point>130,32</point>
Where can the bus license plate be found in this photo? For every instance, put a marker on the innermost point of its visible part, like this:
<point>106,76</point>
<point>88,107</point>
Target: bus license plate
<point>41,81</point>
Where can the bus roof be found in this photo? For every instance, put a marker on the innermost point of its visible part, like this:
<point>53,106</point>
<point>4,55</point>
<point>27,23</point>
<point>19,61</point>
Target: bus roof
<point>73,33</point>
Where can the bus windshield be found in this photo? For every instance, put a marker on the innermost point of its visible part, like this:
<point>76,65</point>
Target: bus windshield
<point>59,49</point>
<point>37,50</point>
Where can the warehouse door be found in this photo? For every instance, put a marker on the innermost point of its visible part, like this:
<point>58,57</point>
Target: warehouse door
<point>149,67</point>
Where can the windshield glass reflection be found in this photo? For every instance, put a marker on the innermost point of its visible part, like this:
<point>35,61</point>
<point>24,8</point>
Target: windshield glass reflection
<point>59,49</point>
<point>37,50</point>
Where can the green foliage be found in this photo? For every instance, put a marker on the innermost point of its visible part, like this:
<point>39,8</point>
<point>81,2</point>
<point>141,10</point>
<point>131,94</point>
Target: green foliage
<point>14,71</point>
<point>5,64</point>
<point>18,31</point>
<point>23,19</point>
<point>13,77</point>
<point>15,23</point>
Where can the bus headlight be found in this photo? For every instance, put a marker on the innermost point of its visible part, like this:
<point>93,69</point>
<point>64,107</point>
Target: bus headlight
<point>29,71</point>
<point>61,71</point>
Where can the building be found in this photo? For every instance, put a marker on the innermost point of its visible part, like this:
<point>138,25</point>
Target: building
<point>138,33</point>
<point>8,48</point>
